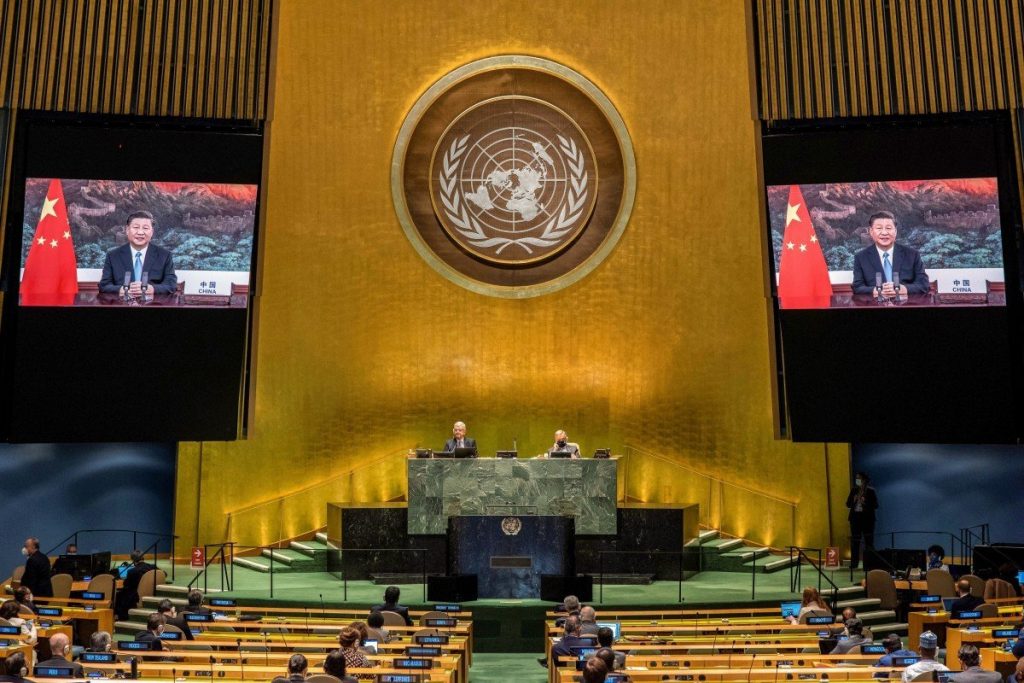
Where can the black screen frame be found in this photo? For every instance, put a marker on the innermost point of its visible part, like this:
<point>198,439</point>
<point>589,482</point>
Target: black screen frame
<point>832,363</point>
<point>99,374</point>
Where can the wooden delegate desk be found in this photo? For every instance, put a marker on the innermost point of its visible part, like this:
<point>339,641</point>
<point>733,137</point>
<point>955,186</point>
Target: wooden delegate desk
<point>23,648</point>
<point>997,659</point>
<point>584,488</point>
<point>172,670</point>
<point>776,675</point>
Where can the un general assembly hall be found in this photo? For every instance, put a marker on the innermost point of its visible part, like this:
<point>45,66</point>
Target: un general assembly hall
<point>568,342</point>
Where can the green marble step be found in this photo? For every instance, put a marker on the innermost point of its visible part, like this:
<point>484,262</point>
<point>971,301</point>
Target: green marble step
<point>703,537</point>
<point>774,563</point>
<point>314,549</point>
<point>733,560</point>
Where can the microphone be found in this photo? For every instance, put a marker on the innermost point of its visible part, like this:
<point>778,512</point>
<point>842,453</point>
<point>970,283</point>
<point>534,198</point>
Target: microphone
<point>323,610</point>
<point>878,283</point>
<point>306,610</point>
<point>266,650</point>
<point>241,662</point>
<point>896,280</point>
<point>285,640</point>
<point>127,281</point>
<point>134,661</point>
<point>753,658</point>
<point>145,281</point>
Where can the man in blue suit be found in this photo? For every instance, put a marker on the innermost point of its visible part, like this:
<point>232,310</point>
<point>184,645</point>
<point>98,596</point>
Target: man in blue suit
<point>886,257</point>
<point>137,257</point>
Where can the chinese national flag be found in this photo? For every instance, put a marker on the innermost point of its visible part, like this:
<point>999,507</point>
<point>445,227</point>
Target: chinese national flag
<point>803,275</point>
<point>51,269</point>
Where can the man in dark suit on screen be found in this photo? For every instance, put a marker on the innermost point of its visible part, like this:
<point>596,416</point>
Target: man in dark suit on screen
<point>886,258</point>
<point>459,439</point>
<point>137,257</point>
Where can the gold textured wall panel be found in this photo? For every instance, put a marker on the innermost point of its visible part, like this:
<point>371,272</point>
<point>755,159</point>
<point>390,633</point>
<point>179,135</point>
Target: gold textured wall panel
<point>364,351</point>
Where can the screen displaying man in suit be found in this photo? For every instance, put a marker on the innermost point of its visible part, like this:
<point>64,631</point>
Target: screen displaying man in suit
<point>139,256</point>
<point>886,258</point>
<point>459,439</point>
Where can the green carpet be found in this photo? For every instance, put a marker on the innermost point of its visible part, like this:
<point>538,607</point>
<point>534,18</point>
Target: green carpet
<point>503,667</point>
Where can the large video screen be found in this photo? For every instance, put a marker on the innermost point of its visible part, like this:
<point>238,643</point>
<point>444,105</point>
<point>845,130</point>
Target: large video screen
<point>897,242</point>
<point>136,242</point>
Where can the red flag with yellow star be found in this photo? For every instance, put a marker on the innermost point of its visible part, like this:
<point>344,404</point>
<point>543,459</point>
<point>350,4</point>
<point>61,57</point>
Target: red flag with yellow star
<point>803,274</point>
<point>51,269</point>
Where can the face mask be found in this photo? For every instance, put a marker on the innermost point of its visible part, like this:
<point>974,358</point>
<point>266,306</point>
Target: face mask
<point>561,443</point>
<point>24,551</point>
<point>859,482</point>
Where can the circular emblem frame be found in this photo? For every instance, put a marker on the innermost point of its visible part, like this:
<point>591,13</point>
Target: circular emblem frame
<point>511,526</point>
<point>519,222</point>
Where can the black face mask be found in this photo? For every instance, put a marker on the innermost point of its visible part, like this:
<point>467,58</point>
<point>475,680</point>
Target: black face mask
<point>561,443</point>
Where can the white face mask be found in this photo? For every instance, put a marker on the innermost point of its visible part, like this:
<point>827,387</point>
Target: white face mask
<point>24,551</point>
<point>859,482</point>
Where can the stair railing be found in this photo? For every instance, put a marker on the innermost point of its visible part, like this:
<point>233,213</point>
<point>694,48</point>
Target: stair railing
<point>799,554</point>
<point>225,553</point>
<point>714,493</point>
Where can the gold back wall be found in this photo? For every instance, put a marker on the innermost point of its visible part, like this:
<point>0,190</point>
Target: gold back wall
<point>364,351</point>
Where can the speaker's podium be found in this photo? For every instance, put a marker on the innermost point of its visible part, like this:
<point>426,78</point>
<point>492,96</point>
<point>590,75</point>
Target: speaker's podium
<point>509,554</point>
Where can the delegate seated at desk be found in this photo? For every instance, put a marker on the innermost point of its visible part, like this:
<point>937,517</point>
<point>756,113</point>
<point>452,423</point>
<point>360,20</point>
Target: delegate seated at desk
<point>563,445</point>
<point>459,439</point>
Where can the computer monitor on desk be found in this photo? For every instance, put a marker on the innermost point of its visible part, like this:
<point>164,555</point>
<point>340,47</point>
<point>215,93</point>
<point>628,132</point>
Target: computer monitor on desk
<point>464,453</point>
<point>559,454</point>
<point>443,454</point>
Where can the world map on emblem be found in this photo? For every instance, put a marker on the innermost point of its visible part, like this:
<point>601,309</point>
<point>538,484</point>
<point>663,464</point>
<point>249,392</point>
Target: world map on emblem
<point>513,180</point>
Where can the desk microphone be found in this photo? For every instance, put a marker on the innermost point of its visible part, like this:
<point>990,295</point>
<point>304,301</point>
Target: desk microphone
<point>145,282</point>
<point>896,281</point>
<point>134,661</point>
<point>323,609</point>
<point>284,640</point>
<point>306,611</point>
<point>241,662</point>
<point>878,283</point>
<point>266,650</point>
<point>127,281</point>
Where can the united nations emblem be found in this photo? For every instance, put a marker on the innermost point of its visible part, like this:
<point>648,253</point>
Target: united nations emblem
<point>513,176</point>
<point>513,180</point>
<point>511,526</point>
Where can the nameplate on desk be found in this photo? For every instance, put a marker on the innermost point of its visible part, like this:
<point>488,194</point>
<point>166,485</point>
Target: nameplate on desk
<point>53,672</point>
<point>447,608</point>
<point>221,602</point>
<point>441,623</point>
<point>198,617</point>
<point>933,610</point>
<point>170,635</point>
<point>872,649</point>
<point>1004,633</point>
<point>400,678</point>
<point>409,663</point>
<point>133,645</point>
<point>820,620</point>
<point>98,657</point>
<point>93,595</point>
<point>420,651</point>
<point>10,630</point>
<point>49,611</point>
<point>432,640</point>
<point>96,674</point>
<point>901,662</point>
<point>972,614</point>
<point>929,598</point>
<point>506,454</point>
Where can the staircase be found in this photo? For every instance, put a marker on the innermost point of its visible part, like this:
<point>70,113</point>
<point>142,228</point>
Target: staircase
<point>720,554</point>
<point>299,556</point>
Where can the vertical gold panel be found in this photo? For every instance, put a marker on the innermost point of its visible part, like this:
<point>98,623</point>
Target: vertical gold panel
<point>364,351</point>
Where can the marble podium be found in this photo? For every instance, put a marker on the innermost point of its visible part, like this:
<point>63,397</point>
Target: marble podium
<point>584,489</point>
<point>508,555</point>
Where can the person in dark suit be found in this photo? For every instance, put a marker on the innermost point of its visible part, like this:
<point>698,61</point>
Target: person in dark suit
<point>195,603</point>
<point>60,653</point>
<point>298,670</point>
<point>563,445</point>
<point>965,602</point>
<point>37,570</point>
<point>14,668</point>
<point>887,257</point>
<point>154,627</point>
<point>390,604</point>
<point>171,617</point>
<point>971,671</point>
<point>862,501</point>
<point>137,257</point>
<point>128,596</point>
<point>459,439</point>
<point>572,638</point>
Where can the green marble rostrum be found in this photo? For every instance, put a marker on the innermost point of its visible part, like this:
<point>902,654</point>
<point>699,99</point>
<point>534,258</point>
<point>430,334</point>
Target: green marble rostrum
<point>441,488</point>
